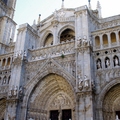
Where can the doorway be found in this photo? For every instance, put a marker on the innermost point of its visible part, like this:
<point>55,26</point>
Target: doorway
<point>66,114</point>
<point>118,114</point>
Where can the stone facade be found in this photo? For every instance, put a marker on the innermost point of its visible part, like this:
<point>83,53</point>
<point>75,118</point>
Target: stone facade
<point>66,67</point>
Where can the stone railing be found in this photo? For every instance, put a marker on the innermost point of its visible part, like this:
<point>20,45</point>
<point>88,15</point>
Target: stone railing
<point>53,51</point>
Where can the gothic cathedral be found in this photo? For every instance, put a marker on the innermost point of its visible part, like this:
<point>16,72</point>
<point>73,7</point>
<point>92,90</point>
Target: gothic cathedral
<point>65,67</point>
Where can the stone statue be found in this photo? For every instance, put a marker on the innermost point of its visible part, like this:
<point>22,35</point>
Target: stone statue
<point>15,91</point>
<point>60,113</point>
<point>86,84</point>
<point>116,61</point>
<point>98,64</point>
<point>80,84</point>
<point>107,61</point>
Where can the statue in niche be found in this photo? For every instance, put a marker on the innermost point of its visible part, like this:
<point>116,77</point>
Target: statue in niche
<point>4,80</point>
<point>116,61</point>
<point>86,82</point>
<point>60,113</point>
<point>99,64</point>
<point>80,84</point>
<point>107,62</point>
<point>15,91</point>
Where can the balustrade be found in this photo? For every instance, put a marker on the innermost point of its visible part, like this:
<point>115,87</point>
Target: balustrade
<point>53,51</point>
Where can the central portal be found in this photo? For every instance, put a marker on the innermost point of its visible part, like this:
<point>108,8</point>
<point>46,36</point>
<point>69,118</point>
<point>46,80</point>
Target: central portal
<point>60,115</point>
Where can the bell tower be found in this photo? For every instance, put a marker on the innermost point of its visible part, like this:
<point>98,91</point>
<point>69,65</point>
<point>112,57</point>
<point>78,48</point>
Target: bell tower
<point>7,25</point>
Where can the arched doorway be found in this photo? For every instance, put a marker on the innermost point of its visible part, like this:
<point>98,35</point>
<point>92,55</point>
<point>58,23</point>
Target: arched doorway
<point>111,103</point>
<point>2,108</point>
<point>53,98</point>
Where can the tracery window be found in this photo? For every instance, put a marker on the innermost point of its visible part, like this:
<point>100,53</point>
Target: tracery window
<point>67,35</point>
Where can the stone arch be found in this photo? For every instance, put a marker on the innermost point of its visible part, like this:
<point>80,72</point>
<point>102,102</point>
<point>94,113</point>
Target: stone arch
<point>97,40</point>
<point>39,76</point>
<point>101,98</point>
<point>48,91</point>
<point>64,28</point>
<point>49,40</point>
<point>113,37</point>
<point>105,40</point>
<point>45,35</point>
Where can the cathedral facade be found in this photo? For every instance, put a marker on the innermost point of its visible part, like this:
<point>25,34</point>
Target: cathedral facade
<point>65,67</point>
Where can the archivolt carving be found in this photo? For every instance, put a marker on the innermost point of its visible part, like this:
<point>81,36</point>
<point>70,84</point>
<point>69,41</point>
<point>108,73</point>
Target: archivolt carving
<point>50,93</point>
<point>108,103</point>
<point>61,100</point>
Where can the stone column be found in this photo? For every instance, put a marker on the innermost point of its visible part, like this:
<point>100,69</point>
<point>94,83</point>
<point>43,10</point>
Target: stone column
<point>101,42</point>
<point>117,37</point>
<point>55,35</point>
<point>109,40</point>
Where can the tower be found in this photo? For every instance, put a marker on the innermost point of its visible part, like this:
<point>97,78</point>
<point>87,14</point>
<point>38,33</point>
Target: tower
<point>7,25</point>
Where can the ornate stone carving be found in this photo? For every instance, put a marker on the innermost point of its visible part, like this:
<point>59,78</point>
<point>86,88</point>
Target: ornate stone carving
<point>60,101</point>
<point>13,92</point>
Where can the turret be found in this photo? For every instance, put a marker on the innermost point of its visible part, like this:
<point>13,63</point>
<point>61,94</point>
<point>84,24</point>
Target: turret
<point>99,10</point>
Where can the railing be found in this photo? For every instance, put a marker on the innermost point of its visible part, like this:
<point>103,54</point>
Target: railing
<point>53,51</point>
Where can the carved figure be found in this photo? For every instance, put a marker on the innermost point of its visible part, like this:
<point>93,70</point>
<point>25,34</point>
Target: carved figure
<point>60,113</point>
<point>86,83</point>
<point>99,64</point>
<point>10,93</point>
<point>116,61</point>
<point>15,91</point>
<point>107,62</point>
<point>80,84</point>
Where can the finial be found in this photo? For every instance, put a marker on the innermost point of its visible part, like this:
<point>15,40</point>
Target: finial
<point>39,18</point>
<point>62,4</point>
<point>89,4</point>
<point>34,22</point>
<point>99,9</point>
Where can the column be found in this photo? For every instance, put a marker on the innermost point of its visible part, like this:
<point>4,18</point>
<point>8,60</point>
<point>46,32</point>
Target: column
<point>117,37</point>
<point>101,41</point>
<point>109,40</point>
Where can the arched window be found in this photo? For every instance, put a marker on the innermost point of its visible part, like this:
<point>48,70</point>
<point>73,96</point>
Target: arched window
<point>113,38</point>
<point>3,62</point>
<point>98,63</point>
<point>8,61</point>
<point>49,40</point>
<point>67,35</point>
<point>105,40</point>
<point>97,41</point>
<point>107,62</point>
<point>116,60</point>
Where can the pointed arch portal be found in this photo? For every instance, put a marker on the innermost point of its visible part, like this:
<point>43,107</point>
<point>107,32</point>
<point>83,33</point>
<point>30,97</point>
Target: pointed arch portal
<point>52,98</point>
<point>111,103</point>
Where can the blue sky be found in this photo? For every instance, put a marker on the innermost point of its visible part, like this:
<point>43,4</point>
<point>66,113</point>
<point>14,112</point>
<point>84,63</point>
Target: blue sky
<point>29,10</point>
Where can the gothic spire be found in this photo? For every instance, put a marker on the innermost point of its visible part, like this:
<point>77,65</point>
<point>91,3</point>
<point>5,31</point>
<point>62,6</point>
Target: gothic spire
<point>99,9</point>
<point>62,4</point>
<point>39,18</point>
<point>89,4</point>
